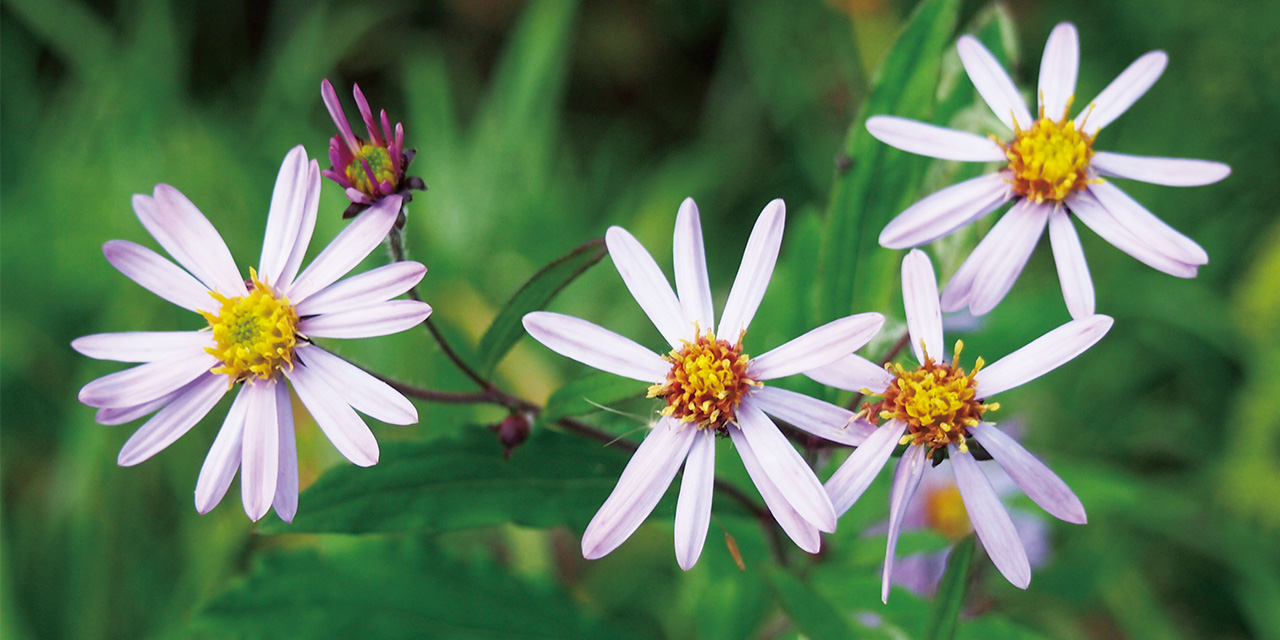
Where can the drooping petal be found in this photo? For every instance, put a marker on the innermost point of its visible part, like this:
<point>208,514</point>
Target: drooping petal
<point>285,501</point>
<point>158,275</point>
<point>1042,355</point>
<point>1058,69</point>
<point>377,285</point>
<point>785,467</point>
<point>174,420</point>
<point>920,299</point>
<point>852,373</point>
<point>1125,90</point>
<point>1096,217</point>
<point>693,510</point>
<point>331,103</point>
<point>822,419</point>
<point>933,141</point>
<point>1026,222</point>
<point>853,477</point>
<point>692,286</point>
<point>1142,223</point>
<point>801,531</point>
<point>1040,484</point>
<point>990,520</point>
<point>1073,271</point>
<point>941,213</point>
<point>347,250</point>
<point>377,319</point>
<point>641,486</point>
<point>595,346</point>
<point>260,448</point>
<point>190,238</point>
<point>145,382</point>
<point>648,286</point>
<point>1171,172</point>
<point>142,346</point>
<point>284,218</point>
<point>906,478</point>
<point>362,391</point>
<point>223,459</point>
<point>348,433</point>
<point>818,347</point>
<point>993,83</point>
<point>754,273</point>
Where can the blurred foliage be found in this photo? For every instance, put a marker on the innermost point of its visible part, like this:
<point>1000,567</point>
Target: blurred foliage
<point>537,125</point>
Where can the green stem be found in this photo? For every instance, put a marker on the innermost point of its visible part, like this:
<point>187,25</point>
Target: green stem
<point>951,591</point>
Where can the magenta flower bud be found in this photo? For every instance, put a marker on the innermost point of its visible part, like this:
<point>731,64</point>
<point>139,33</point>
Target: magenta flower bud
<point>368,170</point>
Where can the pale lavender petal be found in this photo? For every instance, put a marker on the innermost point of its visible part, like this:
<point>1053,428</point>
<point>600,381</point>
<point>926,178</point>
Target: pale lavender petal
<point>1142,223</point>
<point>853,477</point>
<point>174,420</point>
<point>648,286</point>
<point>934,141</point>
<point>990,520</point>
<point>260,448</point>
<point>224,458</point>
<point>822,419</point>
<point>1172,172</point>
<point>377,285</point>
<point>754,273</point>
<point>1040,484</point>
<point>1025,223</point>
<point>641,486</point>
<point>1058,69</point>
<point>801,531</point>
<point>142,346</point>
<point>959,290</point>
<point>158,275</point>
<point>1096,217</point>
<point>1042,355</point>
<point>145,382</point>
<point>306,225</point>
<point>692,286</point>
<point>595,346</point>
<point>331,103</point>
<point>993,83</point>
<point>121,415</point>
<point>941,213</point>
<point>347,250</point>
<point>905,480</point>
<point>362,391</point>
<point>286,499</point>
<point>852,373</point>
<point>190,238</point>
<point>344,428</point>
<point>378,319</point>
<point>693,510</point>
<point>920,300</point>
<point>786,468</point>
<point>1073,271</point>
<point>818,347</point>
<point>284,218</point>
<point>1125,90</point>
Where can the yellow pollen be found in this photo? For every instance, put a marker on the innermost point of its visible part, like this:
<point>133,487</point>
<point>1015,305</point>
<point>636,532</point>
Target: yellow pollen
<point>255,334</point>
<point>945,513</point>
<point>379,160</point>
<point>708,379</point>
<point>1051,159</point>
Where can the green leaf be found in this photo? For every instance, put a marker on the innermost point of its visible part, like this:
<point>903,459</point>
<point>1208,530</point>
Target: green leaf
<point>815,616</point>
<point>588,394</point>
<point>506,330</point>
<point>950,598</point>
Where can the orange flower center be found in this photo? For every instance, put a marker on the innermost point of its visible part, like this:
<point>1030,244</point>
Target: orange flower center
<point>708,379</point>
<point>936,400</point>
<point>1050,160</point>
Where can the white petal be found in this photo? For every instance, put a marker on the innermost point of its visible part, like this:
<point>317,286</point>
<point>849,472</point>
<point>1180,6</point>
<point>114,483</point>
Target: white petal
<point>306,226</point>
<point>920,299</point>
<point>690,258</point>
<point>647,285</point>
<point>933,141</point>
<point>990,520</point>
<point>260,448</point>
<point>822,419</point>
<point>595,346</point>
<point>801,531</point>
<point>1058,69</point>
<point>347,250</point>
<point>1172,172</point>
<point>142,346</point>
<point>993,83</point>
<point>190,238</point>
<point>905,480</point>
<point>818,347</point>
<point>1042,355</point>
<point>1096,217</point>
<point>1020,230</point>
<point>1073,271</point>
<point>362,391</point>
<point>852,373</point>
<point>941,213</point>
<point>754,273</point>
<point>641,486</point>
<point>1032,476</point>
<point>1142,223</point>
<point>377,285</point>
<point>173,421</point>
<point>121,415</point>
<point>158,275</point>
<point>145,382</point>
<point>348,433</point>
<point>693,510</point>
<point>1122,92</point>
<point>286,499</point>
<point>853,477</point>
<point>378,319</point>
<point>786,468</point>
<point>284,218</point>
<point>224,458</point>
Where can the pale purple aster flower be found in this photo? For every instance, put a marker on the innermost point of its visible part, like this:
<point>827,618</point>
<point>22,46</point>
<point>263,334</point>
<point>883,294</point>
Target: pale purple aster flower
<point>711,388</point>
<point>372,169</point>
<point>259,334</point>
<point>1052,172</point>
<point>937,408</point>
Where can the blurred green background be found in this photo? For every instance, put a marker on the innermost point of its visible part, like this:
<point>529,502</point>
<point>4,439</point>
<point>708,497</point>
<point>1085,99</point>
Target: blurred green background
<point>537,125</point>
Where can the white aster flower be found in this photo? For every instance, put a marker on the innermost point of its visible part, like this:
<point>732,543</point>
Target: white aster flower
<point>1053,172</point>
<point>937,406</point>
<point>711,388</point>
<point>258,335</point>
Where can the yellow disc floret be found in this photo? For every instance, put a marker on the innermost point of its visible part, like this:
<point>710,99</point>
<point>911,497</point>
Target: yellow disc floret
<point>1050,160</point>
<point>379,160</point>
<point>254,334</point>
<point>708,379</point>
<point>944,512</point>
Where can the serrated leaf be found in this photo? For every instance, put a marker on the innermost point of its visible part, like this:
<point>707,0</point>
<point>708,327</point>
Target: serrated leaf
<point>588,394</point>
<point>815,616</point>
<point>950,598</point>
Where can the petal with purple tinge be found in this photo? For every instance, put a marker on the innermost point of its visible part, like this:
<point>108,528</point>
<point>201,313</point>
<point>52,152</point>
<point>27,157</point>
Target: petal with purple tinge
<point>920,299</point>
<point>223,459</point>
<point>1096,217</point>
<point>1040,484</point>
<point>174,420</point>
<point>1073,271</point>
<point>190,238</point>
<point>284,217</point>
<point>330,98</point>
<point>142,346</point>
<point>121,415</point>
<point>1125,90</point>
<point>362,391</point>
<point>378,319</point>
<point>905,480</point>
<point>347,250</point>
<point>941,213</point>
<point>693,510</point>
<point>595,346</point>
<point>1042,355</point>
<point>801,531</point>
<point>689,255</point>
<point>990,520</point>
<point>786,468</point>
<point>991,81</point>
<point>145,382</point>
<point>1058,69</point>
<point>754,272</point>
<point>853,477</point>
<point>814,416</point>
<point>648,286</point>
<point>934,141</point>
<point>348,433</point>
<point>852,373</point>
<point>377,285</point>
<point>1144,224</point>
<point>285,501</point>
<point>1171,172</point>
<point>306,226</point>
<point>1024,224</point>
<point>158,275</point>
<point>260,448</point>
<point>818,347</point>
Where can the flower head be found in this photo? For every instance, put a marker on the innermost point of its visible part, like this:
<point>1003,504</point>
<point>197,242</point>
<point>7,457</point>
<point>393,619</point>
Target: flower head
<point>259,335</point>
<point>1052,171</point>
<point>369,170</point>
<point>711,388</point>
<point>936,409</point>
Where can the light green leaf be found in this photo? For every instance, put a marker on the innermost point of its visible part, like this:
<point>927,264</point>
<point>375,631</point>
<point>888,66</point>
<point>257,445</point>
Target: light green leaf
<point>588,394</point>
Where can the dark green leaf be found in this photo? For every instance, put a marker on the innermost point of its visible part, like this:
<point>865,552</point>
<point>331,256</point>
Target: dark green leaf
<point>950,598</point>
<point>808,609</point>
<point>588,394</point>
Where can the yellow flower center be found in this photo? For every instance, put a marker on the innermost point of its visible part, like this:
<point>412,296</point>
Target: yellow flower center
<point>379,160</point>
<point>944,512</point>
<point>255,334</point>
<point>1049,160</point>
<point>708,379</point>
